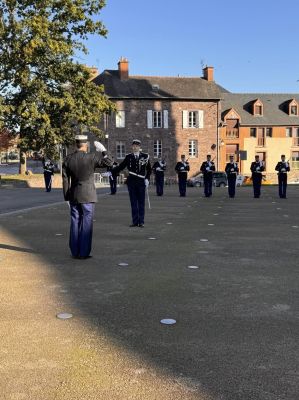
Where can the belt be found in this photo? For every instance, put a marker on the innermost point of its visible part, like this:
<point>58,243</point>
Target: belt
<point>139,176</point>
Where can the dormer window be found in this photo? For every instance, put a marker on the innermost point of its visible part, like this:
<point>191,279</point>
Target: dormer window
<point>258,108</point>
<point>155,87</point>
<point>293,108</point>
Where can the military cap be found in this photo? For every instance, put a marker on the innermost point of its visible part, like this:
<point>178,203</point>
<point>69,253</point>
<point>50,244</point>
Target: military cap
<point>81,138</point>
<point>136,141</point>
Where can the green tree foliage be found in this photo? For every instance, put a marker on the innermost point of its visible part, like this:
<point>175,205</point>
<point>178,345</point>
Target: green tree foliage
<point>43,91</point>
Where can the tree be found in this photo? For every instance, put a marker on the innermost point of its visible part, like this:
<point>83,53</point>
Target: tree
<point>43,91</point>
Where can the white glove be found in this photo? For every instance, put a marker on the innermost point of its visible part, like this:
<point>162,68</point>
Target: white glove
<point>146,182</point>
<point>106,173</point>
<point>283,170</point>
<point>99,147</point>
<point>208,168</point>
<point>182,168</point>
<point>258,168</point>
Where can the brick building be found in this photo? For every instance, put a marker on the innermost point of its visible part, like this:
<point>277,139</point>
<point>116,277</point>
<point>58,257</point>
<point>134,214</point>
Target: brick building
<point>264,124</point>
<point>196,116</point>
<point>170,115</point>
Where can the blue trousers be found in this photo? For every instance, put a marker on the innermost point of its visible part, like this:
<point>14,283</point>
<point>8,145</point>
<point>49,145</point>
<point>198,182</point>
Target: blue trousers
<point>208,183</point>
<point>182,184</point>
<point>137,199</point>
<point>113,183</point>
<point>257,183</point>
<point>48,181</point>
<point>282,184</point>
<point>159,183</point>
<point>81,229</point>
<point>231,180</point>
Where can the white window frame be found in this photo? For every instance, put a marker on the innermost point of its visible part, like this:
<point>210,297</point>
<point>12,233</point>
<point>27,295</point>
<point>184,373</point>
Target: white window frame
<point>157,148</point>
<point>193,148</point>
<point>192,119</point>
<point>157,119</point>
<point>289,132</point>
<point>120,119</point>
<point>120,150</point>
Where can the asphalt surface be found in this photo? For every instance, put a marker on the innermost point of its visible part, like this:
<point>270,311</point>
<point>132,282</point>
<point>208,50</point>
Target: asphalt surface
<point>236,336</point>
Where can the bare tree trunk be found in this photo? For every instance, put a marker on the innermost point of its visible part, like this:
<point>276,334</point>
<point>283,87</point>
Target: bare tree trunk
<point>23,162</point>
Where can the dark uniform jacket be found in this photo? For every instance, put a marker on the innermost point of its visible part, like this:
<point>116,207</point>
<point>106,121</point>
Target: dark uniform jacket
<point>139,168</point>
<point>256,168</point>
<point>48,167</point>
<point>231,168</point>
<point>159,167</point>
<point>78,176</point>
<point>182,168</point>
<point>282,167</point>
<point>205,165</point>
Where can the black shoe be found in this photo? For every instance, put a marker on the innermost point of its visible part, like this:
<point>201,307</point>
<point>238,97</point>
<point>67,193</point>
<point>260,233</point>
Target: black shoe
<point>141,225</point>
<point>84,257</point>
<point>133,225</point>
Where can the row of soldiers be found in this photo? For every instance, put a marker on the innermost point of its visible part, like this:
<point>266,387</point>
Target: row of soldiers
<point>79,189</point>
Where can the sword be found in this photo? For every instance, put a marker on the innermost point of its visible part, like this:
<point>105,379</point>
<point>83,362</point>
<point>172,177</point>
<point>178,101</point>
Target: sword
<point>148,199</point>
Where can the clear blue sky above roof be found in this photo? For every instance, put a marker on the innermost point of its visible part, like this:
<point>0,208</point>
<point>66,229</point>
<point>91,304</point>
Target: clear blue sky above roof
<point>252,45</point>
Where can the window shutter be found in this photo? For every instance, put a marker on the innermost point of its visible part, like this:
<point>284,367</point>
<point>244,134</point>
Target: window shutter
<point>149,119</point>
<point>199,122</point>
<point>185,119</point>
<point>165,119</point>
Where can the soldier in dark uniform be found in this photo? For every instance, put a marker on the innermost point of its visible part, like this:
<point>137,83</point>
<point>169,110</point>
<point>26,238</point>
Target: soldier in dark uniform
<point>139,167</point>
<point>182,168</point>
<point>232,171</point>
<point>112,178</point>
<point>283,168</point>
<point>257,167</point>
<point>159,167</point>
<point>48,173</point>
<point>207,168</point>
<point>79,189</point>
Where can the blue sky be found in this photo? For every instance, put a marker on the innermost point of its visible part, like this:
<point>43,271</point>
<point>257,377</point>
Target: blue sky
<point>253,45</point>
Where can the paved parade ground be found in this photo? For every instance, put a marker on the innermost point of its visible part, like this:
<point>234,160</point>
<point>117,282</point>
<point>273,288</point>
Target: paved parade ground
<point>237,314</point>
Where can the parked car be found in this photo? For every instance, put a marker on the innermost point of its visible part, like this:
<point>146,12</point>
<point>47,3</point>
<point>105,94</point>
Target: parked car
<point>219,180</point>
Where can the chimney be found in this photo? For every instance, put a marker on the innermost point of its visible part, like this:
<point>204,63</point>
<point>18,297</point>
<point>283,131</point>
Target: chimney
<point>208,74</point>
<point>123,68</point>
<point>94,72</point>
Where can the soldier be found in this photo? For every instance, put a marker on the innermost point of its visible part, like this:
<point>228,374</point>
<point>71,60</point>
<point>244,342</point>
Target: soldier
<point>48,173</point>
<point>232,171</point>
<point>112,178</point>
<point>139,167</point>
<point>79,189</point>
<point>283,168</point>
<point>207,168</point>
<point>257,167</point>
<point>159,167</point>
<point>182,168</point>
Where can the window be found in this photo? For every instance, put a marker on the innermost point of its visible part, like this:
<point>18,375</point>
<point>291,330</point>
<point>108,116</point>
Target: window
<point>295,159</point>
<point>157,148</point>
<point>295,136</point>
<point>258,109</point>
<point>106,121</point>
<point>120,120</point>
<point>193,148</point>
<point>261,137</point>
<point>294,110</point>
<point>157,119</point>
<point>192,119</point>
<point>288,132</point>
<point>269,132</point>
<point>120,150</point>
<point>252,132</point>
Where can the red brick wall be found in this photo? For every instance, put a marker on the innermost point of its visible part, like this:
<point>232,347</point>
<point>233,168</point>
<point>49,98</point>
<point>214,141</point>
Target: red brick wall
<point>175,139</point>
